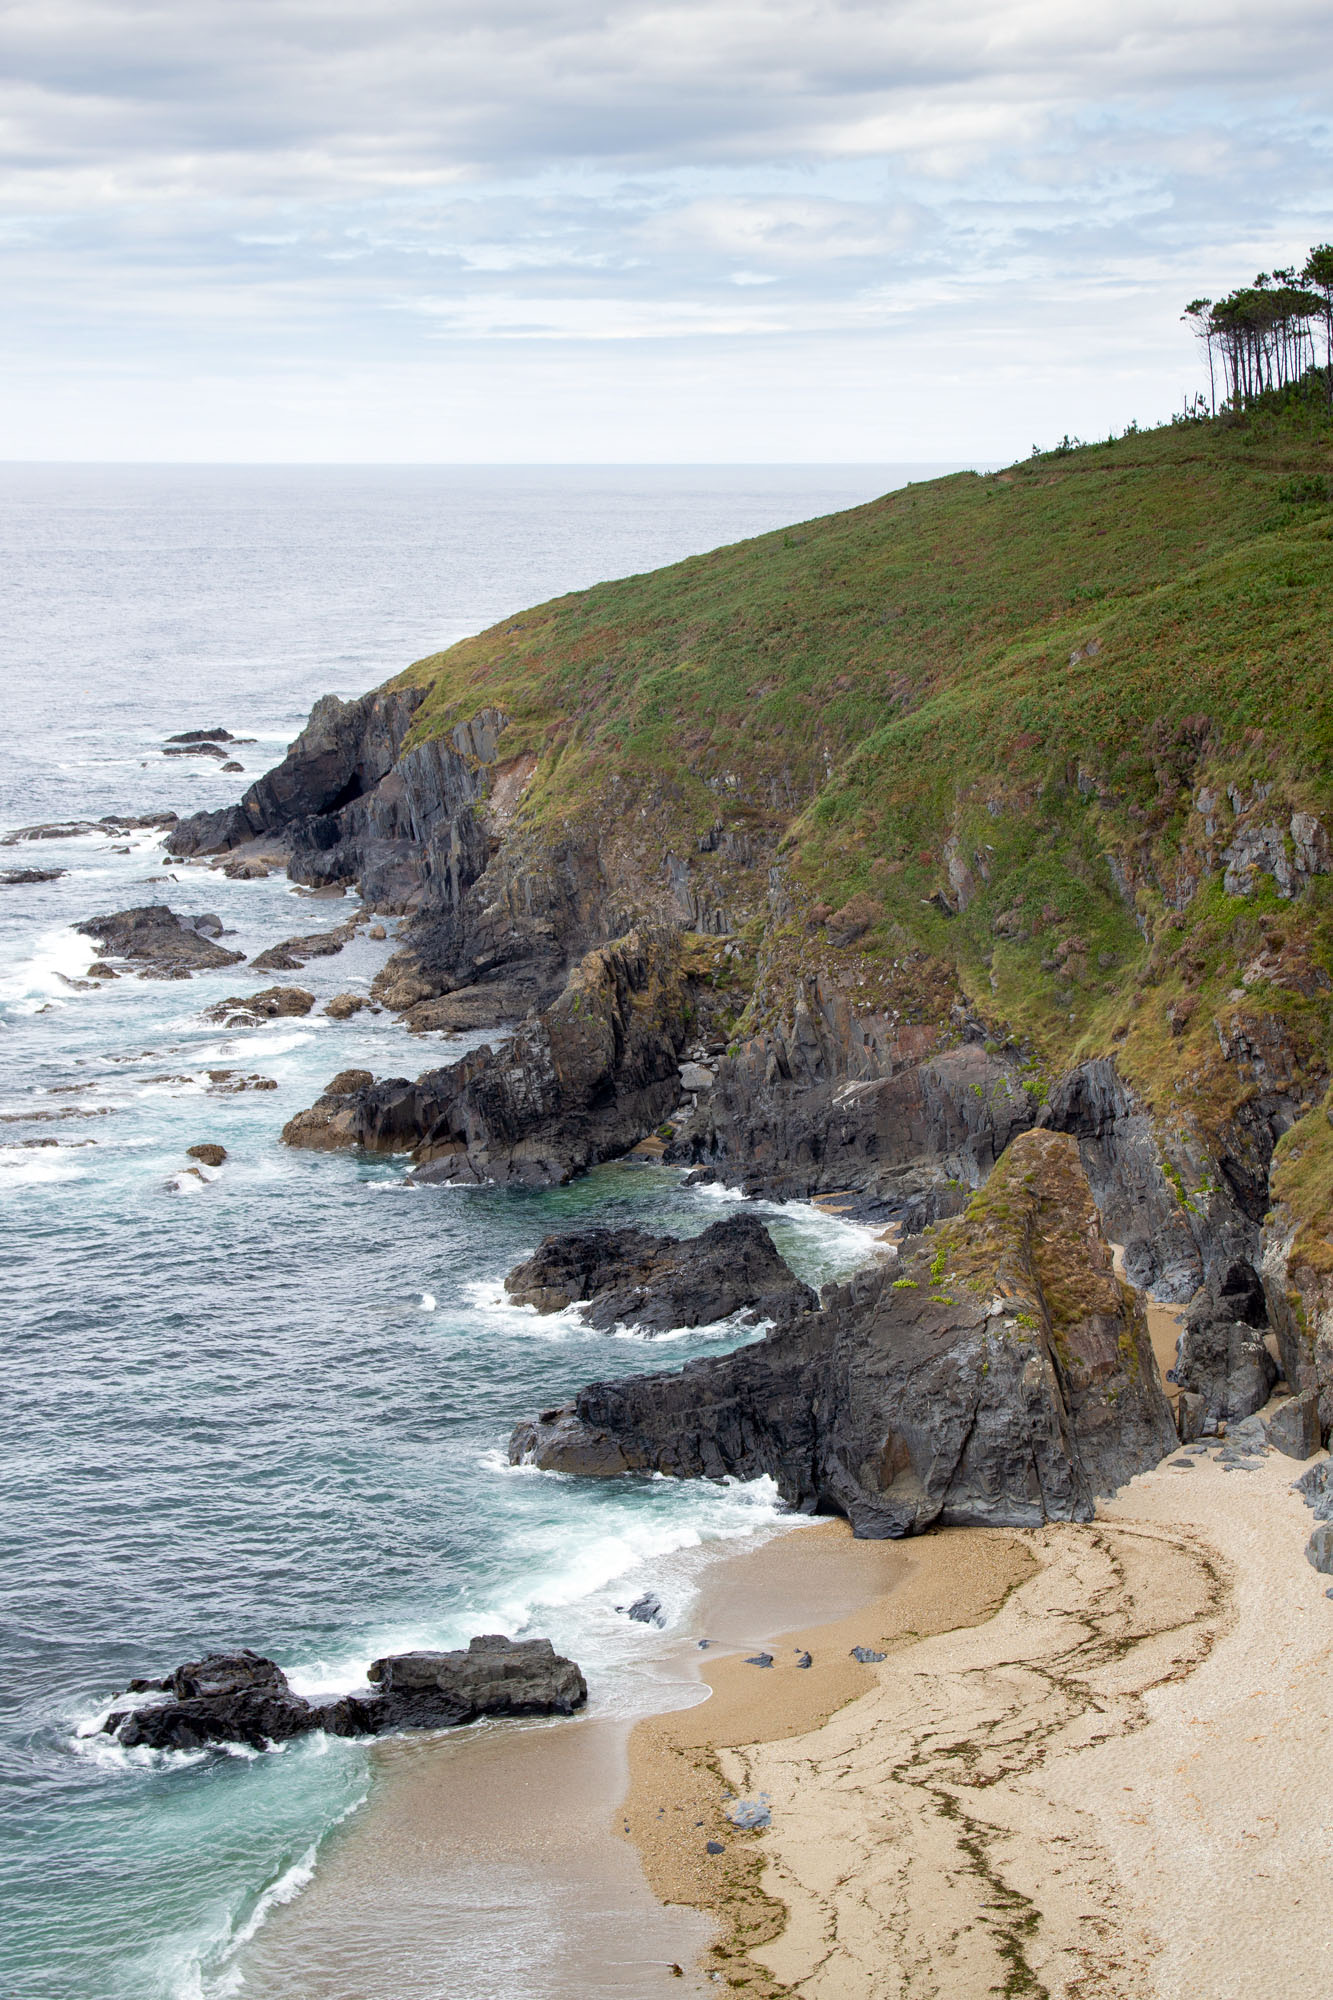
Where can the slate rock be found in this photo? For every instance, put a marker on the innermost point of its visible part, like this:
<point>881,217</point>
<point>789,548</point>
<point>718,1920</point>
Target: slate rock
<point>1292,1426</point>
<point>867,1655</point>
<point>244,1698</point>
<point>1015,1396</point>
<point>655,1283</point>
<point>156,937</point>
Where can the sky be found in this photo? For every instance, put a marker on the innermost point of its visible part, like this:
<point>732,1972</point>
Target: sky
<point>609,231</point>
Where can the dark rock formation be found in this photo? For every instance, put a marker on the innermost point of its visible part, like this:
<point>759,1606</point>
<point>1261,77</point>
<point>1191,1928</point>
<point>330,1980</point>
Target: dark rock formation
<point>205,736</point>
<point>1000,1373</point>
<point>1292,1425</point>
<point>244,1698</point>
<point>626,1276</point>
<point>271,1003</point>
<point>495,1676</point>
<point>292,953</point>
<point>1221,1356</point>
<point>173,749</point>
<point>153,936</point>
<point>580,1084</point>
<point>23,878</point>
<point>829,1101</point>
<point>207,1154</point>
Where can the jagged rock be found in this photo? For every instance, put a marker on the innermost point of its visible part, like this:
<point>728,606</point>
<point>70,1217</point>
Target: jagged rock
<point>167,944</point>
<point>208,1155</point>
<point>244,1698</point>
<point>271,1003</point>
<point>829,1102</point>
<point>1000,1373</point>
<point>333,1120</point>
<point>626,1276</point>
<point>1292,1426</point>
<point>292,953</point>
<point>245,871</point>
<point>1191,1410</point>
<point>581,1083</point>
<point>23,878</point>
<point>1220,1354</point>
<point>203,736</point>
<point>228,1082</point>
<point>194,750</point>
<point>343,1005</point>
<point>469,1008</point>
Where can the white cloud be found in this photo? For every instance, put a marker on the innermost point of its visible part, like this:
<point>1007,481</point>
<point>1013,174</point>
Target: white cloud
<point>226,188</point>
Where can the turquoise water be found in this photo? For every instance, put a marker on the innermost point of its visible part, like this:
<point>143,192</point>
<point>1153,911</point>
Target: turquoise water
<point>269,1406</point>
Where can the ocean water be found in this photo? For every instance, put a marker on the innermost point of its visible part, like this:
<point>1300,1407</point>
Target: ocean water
<point>268,1405</point>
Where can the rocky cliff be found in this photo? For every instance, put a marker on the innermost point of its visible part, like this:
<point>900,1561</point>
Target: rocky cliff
<point>852,854</point>
<point>998,1372</point>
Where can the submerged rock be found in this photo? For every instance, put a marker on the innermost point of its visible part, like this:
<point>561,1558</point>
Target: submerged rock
<point>244,1698</point>
<point>626,1276</point>
<point>1000,1373</point>
<point>157,938</point>
<point>23,878</point>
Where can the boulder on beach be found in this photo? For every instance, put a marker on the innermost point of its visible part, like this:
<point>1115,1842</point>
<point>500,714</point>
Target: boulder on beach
<point>628,1277</point>
<point>166,944</point>
<point>243,1697</point>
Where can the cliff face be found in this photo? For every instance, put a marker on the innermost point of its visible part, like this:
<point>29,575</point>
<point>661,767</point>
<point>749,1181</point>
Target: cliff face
<point>997,1373</point>
<point>857,852</point>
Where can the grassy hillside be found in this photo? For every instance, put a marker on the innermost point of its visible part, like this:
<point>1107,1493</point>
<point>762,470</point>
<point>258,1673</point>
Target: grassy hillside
<point>1000,732</point>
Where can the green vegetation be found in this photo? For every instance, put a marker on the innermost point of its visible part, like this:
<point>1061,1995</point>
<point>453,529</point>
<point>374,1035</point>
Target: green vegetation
<point>999,734</point>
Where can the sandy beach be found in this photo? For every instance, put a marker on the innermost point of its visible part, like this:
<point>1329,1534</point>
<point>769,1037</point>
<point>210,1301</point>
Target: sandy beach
<point>1113,1788</point>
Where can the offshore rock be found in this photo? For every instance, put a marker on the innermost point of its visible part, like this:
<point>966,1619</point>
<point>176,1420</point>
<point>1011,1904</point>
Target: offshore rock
<point>628,1277</point>
<point>1004,1375</point>
<point>271,1003</point>
<point>155,937</point>
<point>579,1084</point>
<point>245,1698</point>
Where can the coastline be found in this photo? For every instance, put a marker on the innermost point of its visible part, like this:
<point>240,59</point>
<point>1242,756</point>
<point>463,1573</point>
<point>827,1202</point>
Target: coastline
<point>489,1852</point>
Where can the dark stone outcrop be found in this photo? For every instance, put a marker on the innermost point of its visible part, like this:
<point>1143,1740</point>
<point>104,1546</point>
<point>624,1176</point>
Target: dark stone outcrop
<point>581,1083</point>
<point>831,1101</point>
<point>244,1698</point>
<point>170,946</point>
<point>1221,1356</point>
<point>271,1003</point>
<point>1292,1425</point>
<point>1000,1373</point>
<point>24,878</point>
<point>629,1277</point>
<point>292,953</point>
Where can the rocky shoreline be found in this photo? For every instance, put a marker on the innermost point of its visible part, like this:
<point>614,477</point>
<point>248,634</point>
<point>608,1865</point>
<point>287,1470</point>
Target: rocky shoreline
<point>620,1003</point>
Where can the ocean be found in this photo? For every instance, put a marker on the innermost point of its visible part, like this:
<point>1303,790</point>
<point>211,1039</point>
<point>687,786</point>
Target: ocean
<point>268,1407</point>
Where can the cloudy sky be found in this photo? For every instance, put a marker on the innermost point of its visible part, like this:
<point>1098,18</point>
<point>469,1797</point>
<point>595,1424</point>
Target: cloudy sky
<point>558,230</point>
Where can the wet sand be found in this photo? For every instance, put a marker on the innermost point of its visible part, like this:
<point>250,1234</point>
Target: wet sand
<point>487,1862</point>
